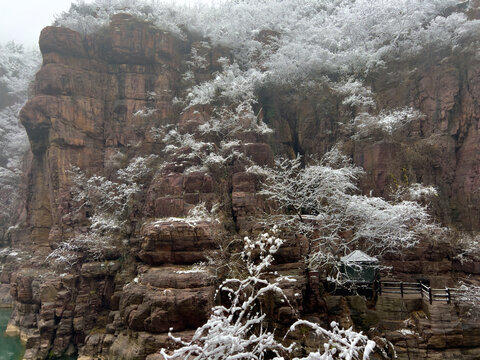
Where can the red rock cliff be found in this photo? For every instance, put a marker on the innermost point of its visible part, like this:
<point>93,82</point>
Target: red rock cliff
<point>83,114</point>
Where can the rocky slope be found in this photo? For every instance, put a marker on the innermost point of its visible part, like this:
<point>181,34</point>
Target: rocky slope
<point>89,111</point>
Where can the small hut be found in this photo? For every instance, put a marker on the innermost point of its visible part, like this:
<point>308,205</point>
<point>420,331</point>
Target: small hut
<point>358,267</point>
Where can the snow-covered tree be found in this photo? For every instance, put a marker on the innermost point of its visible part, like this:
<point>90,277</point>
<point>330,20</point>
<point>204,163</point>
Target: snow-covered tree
<point>237,330</point>
<point>321,200</point>
<point>17,67</point>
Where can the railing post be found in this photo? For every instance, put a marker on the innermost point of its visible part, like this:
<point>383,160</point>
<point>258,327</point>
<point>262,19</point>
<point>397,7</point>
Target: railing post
<point>430,295</point>
<point>449,299</point>
<point>401,288</point>
<point>378,287</point>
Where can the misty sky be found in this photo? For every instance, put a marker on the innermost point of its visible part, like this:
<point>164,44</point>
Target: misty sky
<point>22,20</point>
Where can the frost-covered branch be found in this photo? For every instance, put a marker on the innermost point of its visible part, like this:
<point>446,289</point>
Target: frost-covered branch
<point>340,343</point>
<point>236,330</point>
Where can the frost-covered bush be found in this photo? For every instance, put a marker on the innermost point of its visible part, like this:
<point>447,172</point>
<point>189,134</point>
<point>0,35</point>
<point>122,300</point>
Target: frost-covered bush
<point>190,151</point>
<point>415,192</point>
<point>466,246</point>
<point>231,84</point>
<point>228,122</point>
<point>369,121</point>
<point>108,206</point>
<point>355,93</point>
<point>467,297</point>
<point>198,213</point>
<point>193,153</point>
<point>95,245</point>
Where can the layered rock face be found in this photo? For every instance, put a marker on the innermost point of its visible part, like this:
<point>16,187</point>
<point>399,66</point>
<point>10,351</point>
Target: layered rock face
<point>96,101</point>
<point>86,94</point>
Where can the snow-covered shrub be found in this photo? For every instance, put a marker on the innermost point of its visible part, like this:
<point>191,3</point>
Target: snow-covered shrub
<point>198,213</point>
<point>144,112</point>
<point>106,197</point>
<point>227,122</point>
<point>233,91</point>
<point>414,192</point>
<point>137,170</point>
<point>196,60</point>
<point>467,297</point>
<point>466,246</point>
<point>387,122</point>
<point>175,141</point>
<point>194,153</point>
<point>231,84</point>
<point>356,93</point>
<point>95,245</point>
<point>108,206</point>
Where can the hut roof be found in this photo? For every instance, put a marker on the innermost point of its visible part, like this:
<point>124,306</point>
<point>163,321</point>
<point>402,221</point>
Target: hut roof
<point>357,256</point>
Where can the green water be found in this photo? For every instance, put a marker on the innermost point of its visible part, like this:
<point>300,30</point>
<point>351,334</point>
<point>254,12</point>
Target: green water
<point>10,346</point>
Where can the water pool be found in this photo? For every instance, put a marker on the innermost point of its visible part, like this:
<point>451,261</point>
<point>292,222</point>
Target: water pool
<point>10,346</point>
